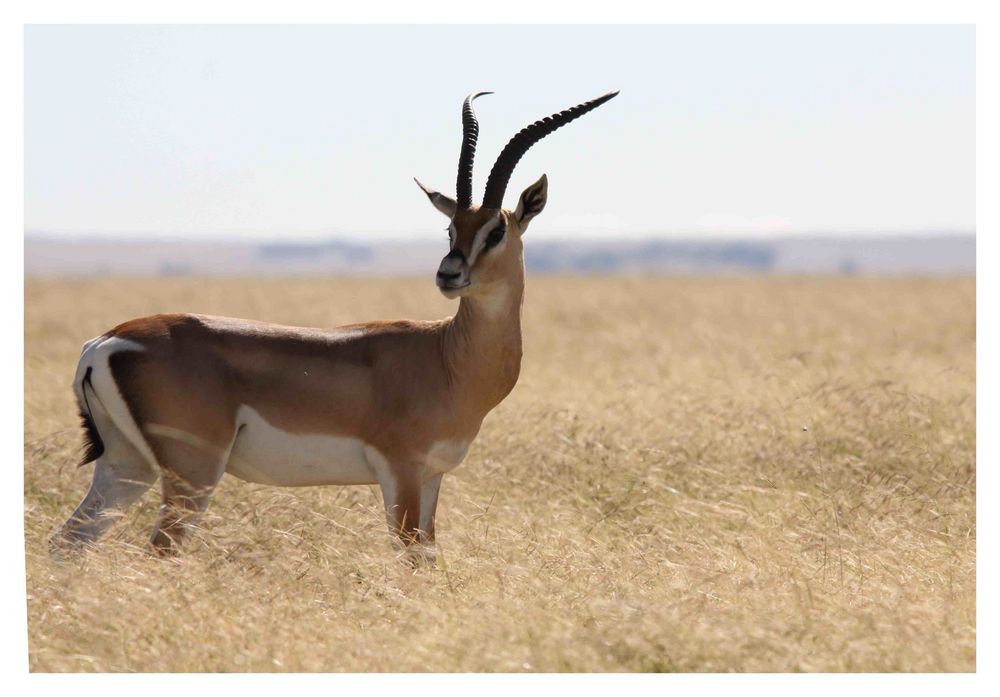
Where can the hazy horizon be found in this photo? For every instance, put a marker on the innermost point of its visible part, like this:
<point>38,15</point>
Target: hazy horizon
<point>313,132</point>
<point>880,255</point>
<point>428,237</point>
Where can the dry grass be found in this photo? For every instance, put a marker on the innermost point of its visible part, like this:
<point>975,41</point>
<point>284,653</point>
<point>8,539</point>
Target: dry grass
<point>692,475</point>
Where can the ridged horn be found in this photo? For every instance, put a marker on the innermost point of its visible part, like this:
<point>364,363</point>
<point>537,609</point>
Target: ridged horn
<point>496,185</point>
<point>470,134</point>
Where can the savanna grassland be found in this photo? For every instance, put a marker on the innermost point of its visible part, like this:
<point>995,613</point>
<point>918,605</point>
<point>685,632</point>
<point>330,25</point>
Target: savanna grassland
<point>691,475</point>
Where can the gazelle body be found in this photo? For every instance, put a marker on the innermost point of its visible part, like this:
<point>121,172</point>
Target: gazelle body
<point>190,397</point>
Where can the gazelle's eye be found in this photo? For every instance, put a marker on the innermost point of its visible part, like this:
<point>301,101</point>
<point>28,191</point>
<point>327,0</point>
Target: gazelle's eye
<point>496,234</point>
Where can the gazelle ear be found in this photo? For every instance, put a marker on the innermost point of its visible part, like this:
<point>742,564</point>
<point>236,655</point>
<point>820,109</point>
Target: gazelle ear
<point>532,202</point>
<point>440,201</point>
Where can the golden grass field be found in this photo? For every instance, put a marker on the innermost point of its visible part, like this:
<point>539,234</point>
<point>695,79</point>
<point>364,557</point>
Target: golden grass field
<point>691,475</point>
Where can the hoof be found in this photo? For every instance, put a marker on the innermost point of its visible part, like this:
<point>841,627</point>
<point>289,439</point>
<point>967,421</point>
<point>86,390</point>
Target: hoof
<point>66,543</point>
<point>419,554</point>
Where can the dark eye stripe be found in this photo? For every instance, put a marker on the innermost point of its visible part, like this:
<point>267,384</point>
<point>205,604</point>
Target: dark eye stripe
<point>496,234</point>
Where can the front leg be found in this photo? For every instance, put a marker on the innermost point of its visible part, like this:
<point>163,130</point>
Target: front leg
<point>410,502</point>
<point>428,507</point>
<point>401,487</point>
<point>401,498</point>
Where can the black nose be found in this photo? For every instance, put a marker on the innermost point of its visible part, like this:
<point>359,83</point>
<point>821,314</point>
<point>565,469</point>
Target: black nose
<point>449,276</point>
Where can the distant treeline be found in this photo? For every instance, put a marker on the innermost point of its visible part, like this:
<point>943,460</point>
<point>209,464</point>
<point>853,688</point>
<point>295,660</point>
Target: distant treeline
<point>652,255</point>
<point>928,254</point>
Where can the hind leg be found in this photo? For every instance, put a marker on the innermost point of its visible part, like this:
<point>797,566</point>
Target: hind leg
<point>117,483</point>
<point>191,470</point>
<point>182,506</point>
<point>121,475</point>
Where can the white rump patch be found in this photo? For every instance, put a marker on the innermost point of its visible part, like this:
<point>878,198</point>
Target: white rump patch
<point>266,454</point>
<point>96,355</point>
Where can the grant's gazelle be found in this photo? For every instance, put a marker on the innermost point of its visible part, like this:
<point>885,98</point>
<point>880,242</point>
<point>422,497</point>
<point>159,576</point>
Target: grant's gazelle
<point>190,397</point>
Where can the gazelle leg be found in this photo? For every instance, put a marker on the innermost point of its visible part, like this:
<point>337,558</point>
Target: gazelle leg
<point>401,497</point>
<point>182,506</point>
<point>121,475</point>
<point>116,485</point>
<point>428,506</point>
<point>191,471</point>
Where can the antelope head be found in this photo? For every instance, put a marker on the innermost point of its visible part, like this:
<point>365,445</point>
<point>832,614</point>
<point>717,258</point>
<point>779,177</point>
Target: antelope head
<point>485,240</point>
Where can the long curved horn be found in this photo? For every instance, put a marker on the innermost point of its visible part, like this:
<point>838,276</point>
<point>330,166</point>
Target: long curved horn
<point>470,133</point>
<point>496,185</point>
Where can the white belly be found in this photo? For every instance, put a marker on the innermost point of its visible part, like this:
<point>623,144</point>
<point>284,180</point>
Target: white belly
<point>265,454</point>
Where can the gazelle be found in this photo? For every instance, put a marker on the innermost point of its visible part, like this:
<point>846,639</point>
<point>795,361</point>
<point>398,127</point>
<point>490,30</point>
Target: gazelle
<point>191,397</point>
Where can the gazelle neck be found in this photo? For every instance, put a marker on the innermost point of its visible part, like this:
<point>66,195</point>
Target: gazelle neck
<point>482,343</point>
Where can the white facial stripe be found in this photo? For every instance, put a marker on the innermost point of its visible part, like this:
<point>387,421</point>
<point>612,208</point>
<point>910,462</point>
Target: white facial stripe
<point>480,239</point>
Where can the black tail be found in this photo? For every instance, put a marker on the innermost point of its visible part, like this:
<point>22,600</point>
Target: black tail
<point>93,446</point>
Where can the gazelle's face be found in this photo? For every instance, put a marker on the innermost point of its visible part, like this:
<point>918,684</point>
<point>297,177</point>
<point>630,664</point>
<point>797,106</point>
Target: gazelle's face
<point>485,247</point>
<point>484,243</point>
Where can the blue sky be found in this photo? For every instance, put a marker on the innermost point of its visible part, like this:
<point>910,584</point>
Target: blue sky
<point>312,131</point>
